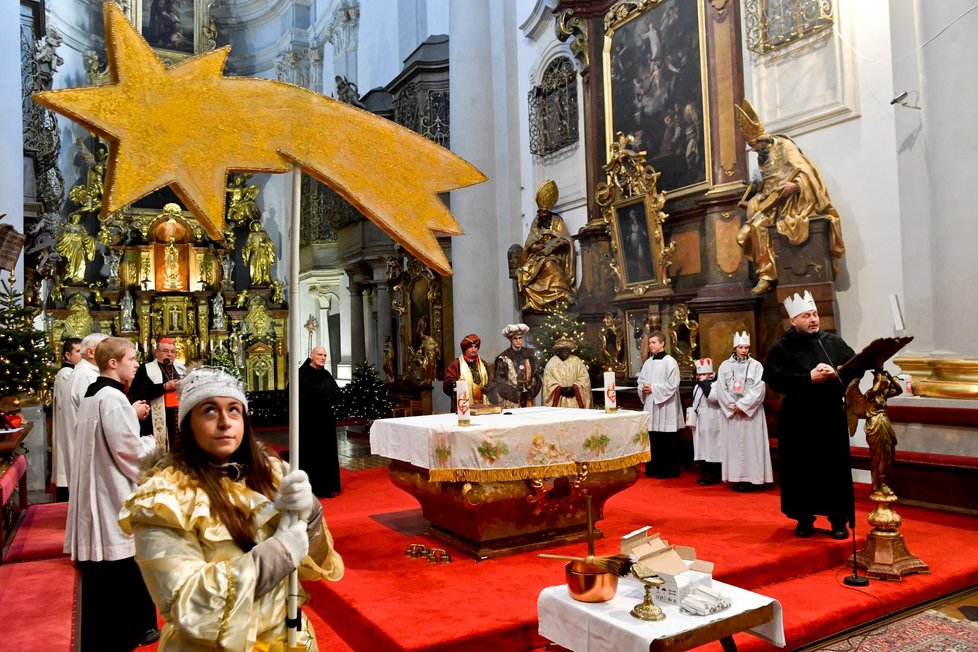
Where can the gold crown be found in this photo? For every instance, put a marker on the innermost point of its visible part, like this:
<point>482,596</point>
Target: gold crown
<point>750,124</point>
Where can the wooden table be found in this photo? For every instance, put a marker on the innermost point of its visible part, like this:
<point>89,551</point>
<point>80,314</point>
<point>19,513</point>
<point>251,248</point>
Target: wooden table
<point>515,481</point>
<point>609,627</point>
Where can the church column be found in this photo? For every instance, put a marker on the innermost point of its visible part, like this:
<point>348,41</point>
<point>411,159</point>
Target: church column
<point>358,349</point>
<point>946,85</point>
<point>485,131</point>
<point>383,321</point>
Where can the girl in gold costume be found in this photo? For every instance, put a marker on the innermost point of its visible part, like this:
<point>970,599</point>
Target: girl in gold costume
<point>215,537</point>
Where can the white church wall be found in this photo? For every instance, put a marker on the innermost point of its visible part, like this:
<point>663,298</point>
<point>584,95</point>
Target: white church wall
<point>914,181</point>
<point>537,47</point>
<point>858,163</point>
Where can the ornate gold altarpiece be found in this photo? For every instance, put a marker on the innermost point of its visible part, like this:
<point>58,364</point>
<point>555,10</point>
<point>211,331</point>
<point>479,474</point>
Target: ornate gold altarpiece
<point>165,278</point>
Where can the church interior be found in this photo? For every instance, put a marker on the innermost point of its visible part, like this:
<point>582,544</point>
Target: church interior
<point>671,167</point>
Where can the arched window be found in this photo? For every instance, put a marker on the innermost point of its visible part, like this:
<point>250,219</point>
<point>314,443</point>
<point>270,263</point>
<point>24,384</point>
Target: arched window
<point>553,108</point>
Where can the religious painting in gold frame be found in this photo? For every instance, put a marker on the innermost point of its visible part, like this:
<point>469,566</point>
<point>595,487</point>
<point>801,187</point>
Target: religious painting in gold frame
<point>637,239</point>
<point>656,88</point>
<point>176,29</point>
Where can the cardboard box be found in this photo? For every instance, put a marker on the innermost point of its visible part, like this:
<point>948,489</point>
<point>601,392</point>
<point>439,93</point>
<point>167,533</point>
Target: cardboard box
<point>677,566</point>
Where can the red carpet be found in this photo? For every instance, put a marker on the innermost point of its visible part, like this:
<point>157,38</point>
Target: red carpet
<point>388,601</point>
<point>391,602</point>
<point>35,604</point>
<point>40,535</point>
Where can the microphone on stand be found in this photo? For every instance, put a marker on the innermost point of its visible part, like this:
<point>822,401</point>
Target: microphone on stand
<point>855,579</point>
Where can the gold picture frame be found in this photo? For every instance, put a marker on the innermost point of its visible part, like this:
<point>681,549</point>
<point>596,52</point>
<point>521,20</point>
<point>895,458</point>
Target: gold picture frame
<point>175,29</point>
<point>637,239</point>
<point>656,88</point>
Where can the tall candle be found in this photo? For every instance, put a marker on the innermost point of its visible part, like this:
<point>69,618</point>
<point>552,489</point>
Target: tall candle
<point>462,402</point>
<point>610,394</point>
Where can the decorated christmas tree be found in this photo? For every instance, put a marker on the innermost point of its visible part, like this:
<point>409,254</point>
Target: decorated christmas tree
<point>25,358</point>
<point>223,358</point>
<point>366,396</point>
<point>560,322</point>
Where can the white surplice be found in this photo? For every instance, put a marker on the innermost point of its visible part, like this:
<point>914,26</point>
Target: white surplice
<point>707,441</point>
<point>62,427</point>
<point>662,403</point>
<point>748,452</point>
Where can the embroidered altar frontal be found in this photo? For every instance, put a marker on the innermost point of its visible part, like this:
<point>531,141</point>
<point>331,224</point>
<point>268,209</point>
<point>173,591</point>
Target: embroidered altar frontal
<point>528,443</point>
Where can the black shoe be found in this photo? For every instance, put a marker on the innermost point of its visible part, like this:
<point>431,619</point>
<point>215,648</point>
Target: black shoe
<point>151,636</point>
<point>702,481</point>
<point>840,534</point>
<point>804,530</point>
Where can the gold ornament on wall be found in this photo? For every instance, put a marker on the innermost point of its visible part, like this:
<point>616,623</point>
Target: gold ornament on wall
<point>631,207</point>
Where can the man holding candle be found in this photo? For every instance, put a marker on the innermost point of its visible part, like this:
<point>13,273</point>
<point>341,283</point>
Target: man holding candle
<point>658,389</point>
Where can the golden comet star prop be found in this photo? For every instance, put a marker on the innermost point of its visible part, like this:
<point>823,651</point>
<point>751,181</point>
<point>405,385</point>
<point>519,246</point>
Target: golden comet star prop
<point>189,127</point>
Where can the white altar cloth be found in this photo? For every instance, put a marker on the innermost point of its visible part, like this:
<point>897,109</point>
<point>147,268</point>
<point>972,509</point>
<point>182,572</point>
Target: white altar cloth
<point>524,443</point>
<point>609,627</point>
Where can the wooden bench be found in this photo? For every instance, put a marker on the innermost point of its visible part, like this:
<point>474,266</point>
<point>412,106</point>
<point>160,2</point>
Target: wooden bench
<point>13,478</point>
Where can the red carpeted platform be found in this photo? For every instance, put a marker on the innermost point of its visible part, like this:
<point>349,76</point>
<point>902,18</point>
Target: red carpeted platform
<point>388,601</point>
<point>35,604</point>
<point>40,535</point>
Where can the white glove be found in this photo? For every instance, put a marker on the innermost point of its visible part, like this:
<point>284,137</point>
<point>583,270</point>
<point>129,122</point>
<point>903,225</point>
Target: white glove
<point>293,538</point>
<point>280,554</point>
<point>295,495</point>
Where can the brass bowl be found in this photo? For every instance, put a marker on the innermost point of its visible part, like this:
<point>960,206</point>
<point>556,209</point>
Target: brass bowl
<point>589,584</point>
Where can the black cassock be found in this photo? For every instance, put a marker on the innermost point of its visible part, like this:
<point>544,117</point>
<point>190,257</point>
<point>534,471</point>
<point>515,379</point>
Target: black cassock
<point>318,456</point>
<point>813,437</point>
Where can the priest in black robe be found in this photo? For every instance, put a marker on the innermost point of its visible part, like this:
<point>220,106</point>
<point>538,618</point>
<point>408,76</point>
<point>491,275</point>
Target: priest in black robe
<point>318,452</point>
<point>813,437</point>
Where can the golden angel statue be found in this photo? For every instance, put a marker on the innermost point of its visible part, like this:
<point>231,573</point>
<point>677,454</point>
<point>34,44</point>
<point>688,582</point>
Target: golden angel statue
<point>258,254</point>
<point>545,272</point>
<point>789,194</point>
<point>880,436</point>
<point>241,200</point>
<point>88,196</point>
<point>77,247</point>
<point>389,358</point>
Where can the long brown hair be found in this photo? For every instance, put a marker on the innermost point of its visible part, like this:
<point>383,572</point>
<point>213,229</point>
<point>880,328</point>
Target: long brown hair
<point>258,477</point>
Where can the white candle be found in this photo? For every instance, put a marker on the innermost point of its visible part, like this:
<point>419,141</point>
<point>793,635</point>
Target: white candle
<point>610,394</point>
<point>462,402</point>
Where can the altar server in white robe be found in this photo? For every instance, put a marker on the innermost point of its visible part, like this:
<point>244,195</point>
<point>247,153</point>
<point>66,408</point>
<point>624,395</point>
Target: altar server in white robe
<point>63,418</point>
<point>658,390</point>
<point>703,418</point>
<point>83,375</point>
<point>115,610</point>
<point>747,461</point>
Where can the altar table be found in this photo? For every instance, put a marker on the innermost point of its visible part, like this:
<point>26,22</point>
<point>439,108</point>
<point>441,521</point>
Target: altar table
<point>609,626</point>
<point>513,481</point>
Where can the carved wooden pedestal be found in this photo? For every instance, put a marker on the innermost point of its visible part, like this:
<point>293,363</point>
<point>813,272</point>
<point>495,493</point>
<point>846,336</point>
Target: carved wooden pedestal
<point>494,519</point>
<point>885,555</point>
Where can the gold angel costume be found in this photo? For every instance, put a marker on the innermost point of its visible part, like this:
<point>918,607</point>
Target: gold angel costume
<point>205,585</point>
<point>781,161</point>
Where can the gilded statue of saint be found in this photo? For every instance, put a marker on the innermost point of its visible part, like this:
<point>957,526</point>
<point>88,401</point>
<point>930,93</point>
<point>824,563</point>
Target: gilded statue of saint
<point>880,436</point>
<point>789,194</point>
<point>545,272</point>
<point>241,200</point>
<point>171,267</point>
<point>258,254</point>
<point>77,247</point>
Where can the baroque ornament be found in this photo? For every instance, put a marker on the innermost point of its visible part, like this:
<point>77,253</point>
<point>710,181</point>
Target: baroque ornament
<point>183,126</point>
